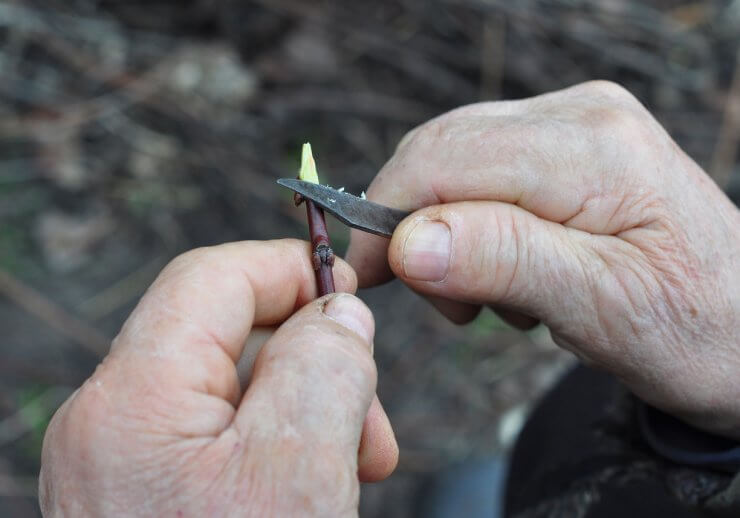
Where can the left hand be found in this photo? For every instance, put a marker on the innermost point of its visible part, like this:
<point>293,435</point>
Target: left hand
<point>162,428</point>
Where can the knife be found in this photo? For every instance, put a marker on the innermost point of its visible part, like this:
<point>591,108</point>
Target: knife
<point>351,210</point>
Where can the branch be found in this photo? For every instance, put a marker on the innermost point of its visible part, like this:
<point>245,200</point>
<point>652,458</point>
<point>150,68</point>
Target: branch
<point>323,255</point>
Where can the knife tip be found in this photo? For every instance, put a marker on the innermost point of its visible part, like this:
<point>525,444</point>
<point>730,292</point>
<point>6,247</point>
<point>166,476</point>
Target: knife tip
<point>290,183</point>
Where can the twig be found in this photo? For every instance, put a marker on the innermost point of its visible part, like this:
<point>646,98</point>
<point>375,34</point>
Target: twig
<point>53,315</point>
<point>323,255</point>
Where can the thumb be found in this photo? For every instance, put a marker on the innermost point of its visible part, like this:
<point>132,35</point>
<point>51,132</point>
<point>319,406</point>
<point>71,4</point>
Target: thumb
<point>314,381</point>
<point>491,253</point>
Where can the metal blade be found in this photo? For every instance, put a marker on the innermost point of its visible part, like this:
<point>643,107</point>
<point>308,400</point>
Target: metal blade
<point>350,210</point>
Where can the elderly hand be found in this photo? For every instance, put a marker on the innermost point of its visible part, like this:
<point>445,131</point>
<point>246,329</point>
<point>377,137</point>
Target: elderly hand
<point>577,209</point>
<point>163,428</point>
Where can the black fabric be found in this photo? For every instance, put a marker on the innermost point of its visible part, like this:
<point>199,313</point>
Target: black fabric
<point>582,455</point>
<point>683,444</point>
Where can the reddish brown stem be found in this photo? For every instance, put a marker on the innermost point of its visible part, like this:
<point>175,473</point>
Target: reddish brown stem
<point>323,256</point>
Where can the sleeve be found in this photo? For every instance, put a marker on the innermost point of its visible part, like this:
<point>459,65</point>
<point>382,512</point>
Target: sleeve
<point>683,444</point>
<point>583,452</point>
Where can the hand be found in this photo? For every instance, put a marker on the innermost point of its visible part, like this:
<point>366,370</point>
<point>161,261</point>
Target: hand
<point>162,428</point>
<point>577,209</point>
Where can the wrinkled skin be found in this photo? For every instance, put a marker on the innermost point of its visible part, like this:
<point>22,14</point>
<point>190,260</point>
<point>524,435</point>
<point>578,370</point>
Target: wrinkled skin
<point>162,428</point>
<point>576,209</point>
<point>573,208</point>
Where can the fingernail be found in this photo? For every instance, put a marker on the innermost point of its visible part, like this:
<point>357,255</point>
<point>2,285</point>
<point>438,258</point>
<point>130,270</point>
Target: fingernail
<point>351,313</point>
<point>426,252</point>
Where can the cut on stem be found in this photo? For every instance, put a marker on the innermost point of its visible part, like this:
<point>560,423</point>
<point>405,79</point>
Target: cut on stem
<point>322,256</point>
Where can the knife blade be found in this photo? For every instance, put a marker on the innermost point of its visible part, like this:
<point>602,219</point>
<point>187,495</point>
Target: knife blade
<point>351,210</point>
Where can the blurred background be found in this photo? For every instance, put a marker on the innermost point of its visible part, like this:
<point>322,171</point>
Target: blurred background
<point>133,131</point>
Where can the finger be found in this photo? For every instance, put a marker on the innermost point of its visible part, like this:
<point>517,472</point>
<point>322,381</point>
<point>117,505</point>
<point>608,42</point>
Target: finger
<point>492,253</point>
<point>378,455</point>
<point>314,380</point>
<point>367,255</point>
<point>257,338</point>
<point>183,340</point>
<point>456,312</point>
<point>546,154</point>
<point>516,318</point>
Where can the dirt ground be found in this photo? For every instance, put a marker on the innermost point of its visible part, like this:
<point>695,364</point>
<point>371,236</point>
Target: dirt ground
<point>133,131</point>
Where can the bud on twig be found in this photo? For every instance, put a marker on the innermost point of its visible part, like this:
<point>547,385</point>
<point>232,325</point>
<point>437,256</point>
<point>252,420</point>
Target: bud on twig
<point>323,255</point>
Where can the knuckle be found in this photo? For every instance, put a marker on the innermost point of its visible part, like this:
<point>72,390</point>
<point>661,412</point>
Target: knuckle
<point>613,112</point>
<point>448,125</point>
<point>406,139</point>
<point>191,259</point>
<point>436,129</point>
<point>603,89</point>
<point>477,109</point>
<point>439,128</point>
<point>618,122</point>
<point>195,268</point>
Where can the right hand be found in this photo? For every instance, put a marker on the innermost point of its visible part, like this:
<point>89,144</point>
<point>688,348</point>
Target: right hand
<point>577,209</point>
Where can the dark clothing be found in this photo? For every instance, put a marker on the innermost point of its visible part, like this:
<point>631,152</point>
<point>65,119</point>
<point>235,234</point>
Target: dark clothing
<point>590,450</point>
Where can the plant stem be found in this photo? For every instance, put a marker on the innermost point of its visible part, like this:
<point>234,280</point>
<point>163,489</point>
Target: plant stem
<point>323,256</point>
